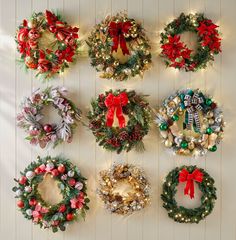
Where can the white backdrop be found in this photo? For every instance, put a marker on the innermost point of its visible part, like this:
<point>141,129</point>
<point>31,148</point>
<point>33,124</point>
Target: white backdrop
<point>84,83</point>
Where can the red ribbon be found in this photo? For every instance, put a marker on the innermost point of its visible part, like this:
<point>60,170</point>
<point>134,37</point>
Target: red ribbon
<point>59,28</point>
<point>115,104</point>
<point>185,176</point>
<point>117,30</point>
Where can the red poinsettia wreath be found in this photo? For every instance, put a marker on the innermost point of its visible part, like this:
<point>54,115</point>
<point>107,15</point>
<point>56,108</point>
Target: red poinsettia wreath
<point>53,54</point>
<point>178,55</point>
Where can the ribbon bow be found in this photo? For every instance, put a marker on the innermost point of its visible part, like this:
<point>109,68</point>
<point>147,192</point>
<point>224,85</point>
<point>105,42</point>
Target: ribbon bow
<point>117,31</point>
<point>193,105</point>
<point>59,28</point>
<point>185,176</point>
<point>115,104</point>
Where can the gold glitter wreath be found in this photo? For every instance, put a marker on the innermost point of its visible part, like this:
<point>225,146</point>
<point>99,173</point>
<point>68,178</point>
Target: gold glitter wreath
<point>132,201</point>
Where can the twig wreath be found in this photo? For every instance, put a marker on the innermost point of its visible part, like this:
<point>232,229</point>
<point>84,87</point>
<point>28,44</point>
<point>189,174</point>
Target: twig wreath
<point>190,175</point>
<point>119,34</point>
<point>190,123</point>
<point>51,133</point>
<point>71,184</point>
<point>176,54</point>
<point>116,105</point>
<point>52,55</point>
<point>130,202</point>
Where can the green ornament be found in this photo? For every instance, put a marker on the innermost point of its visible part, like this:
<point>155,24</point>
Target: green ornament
<point>213,149</point>
<point>184,144</point>
<point>175,118</point>
<point>209,130</point>
<point>182,95</point>
<point>163,127</point>
<point>208,102</point>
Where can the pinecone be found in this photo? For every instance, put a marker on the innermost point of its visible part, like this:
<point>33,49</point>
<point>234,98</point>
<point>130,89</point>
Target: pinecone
<point>123,136</point>
<point>113,141</point>
<point>136,136</point>
<point>125,110</point>
<point>95,124</point>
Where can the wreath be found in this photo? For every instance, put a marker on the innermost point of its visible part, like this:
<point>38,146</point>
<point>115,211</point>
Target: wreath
<point>123,36</point>
<point>44,134</point>
<point>119,105</point>
<point>176,54</point>
<point>132,201</point>
<point>72,186</point>
<point>190,123</point>
<point>190,175</point>
<point>47,44</point>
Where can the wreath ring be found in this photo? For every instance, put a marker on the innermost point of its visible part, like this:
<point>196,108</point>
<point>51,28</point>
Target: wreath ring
<point>62,40</point>
<point>116,105</point>
<point>116,32</point>
<point>188,175</point>
<point>176,54</point>
<point>45,134</point>
<point>71,184</point>
<point>124,204</point>
<point>190,123</point>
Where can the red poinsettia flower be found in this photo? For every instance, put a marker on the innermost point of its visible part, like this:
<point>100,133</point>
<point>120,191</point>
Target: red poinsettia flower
<point>207,28</point>
<point>173,48</point>
<point>176,51</point>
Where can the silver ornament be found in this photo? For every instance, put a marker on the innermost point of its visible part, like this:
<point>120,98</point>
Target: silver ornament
<point>71,173</point>
<point>30,175</point>
<point>18,192</point>
<point>79,185</point>
<point>178,140</point>
<point>28,189</point>
<point>29,212</point>
<point>50,166</point>
<point>64,177</point>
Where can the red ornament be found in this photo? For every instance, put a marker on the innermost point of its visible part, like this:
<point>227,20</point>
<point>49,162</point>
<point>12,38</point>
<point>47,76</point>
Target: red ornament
<point>62,208</point>
<point>47,128</point>
<point>37,170</point>
<point>55,172</point>
<point>72,182</point>
<point>32,202</point>
<point>20,204</point>
<point>61,168</point>
<point>69,216</point>
<point>22,180</point>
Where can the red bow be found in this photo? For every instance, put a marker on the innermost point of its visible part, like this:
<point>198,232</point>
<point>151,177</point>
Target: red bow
<point>185,176</point>
<point>59,28</point>
<point>115,103</point>
<point>117,30</point>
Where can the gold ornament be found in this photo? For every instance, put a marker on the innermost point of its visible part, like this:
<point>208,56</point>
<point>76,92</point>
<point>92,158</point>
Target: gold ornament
<point>191,145</point>
<point>168,143</point>
<point>116,63</point>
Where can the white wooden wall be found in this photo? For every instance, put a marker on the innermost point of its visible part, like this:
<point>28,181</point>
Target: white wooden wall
<point>82,80</point>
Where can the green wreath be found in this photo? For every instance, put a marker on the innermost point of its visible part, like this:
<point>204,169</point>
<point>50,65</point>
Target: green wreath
<point>116,105</point>
<point>71,184</point>
<point>188,174</point>
<point>107,36</point>
<point>176,54</point>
